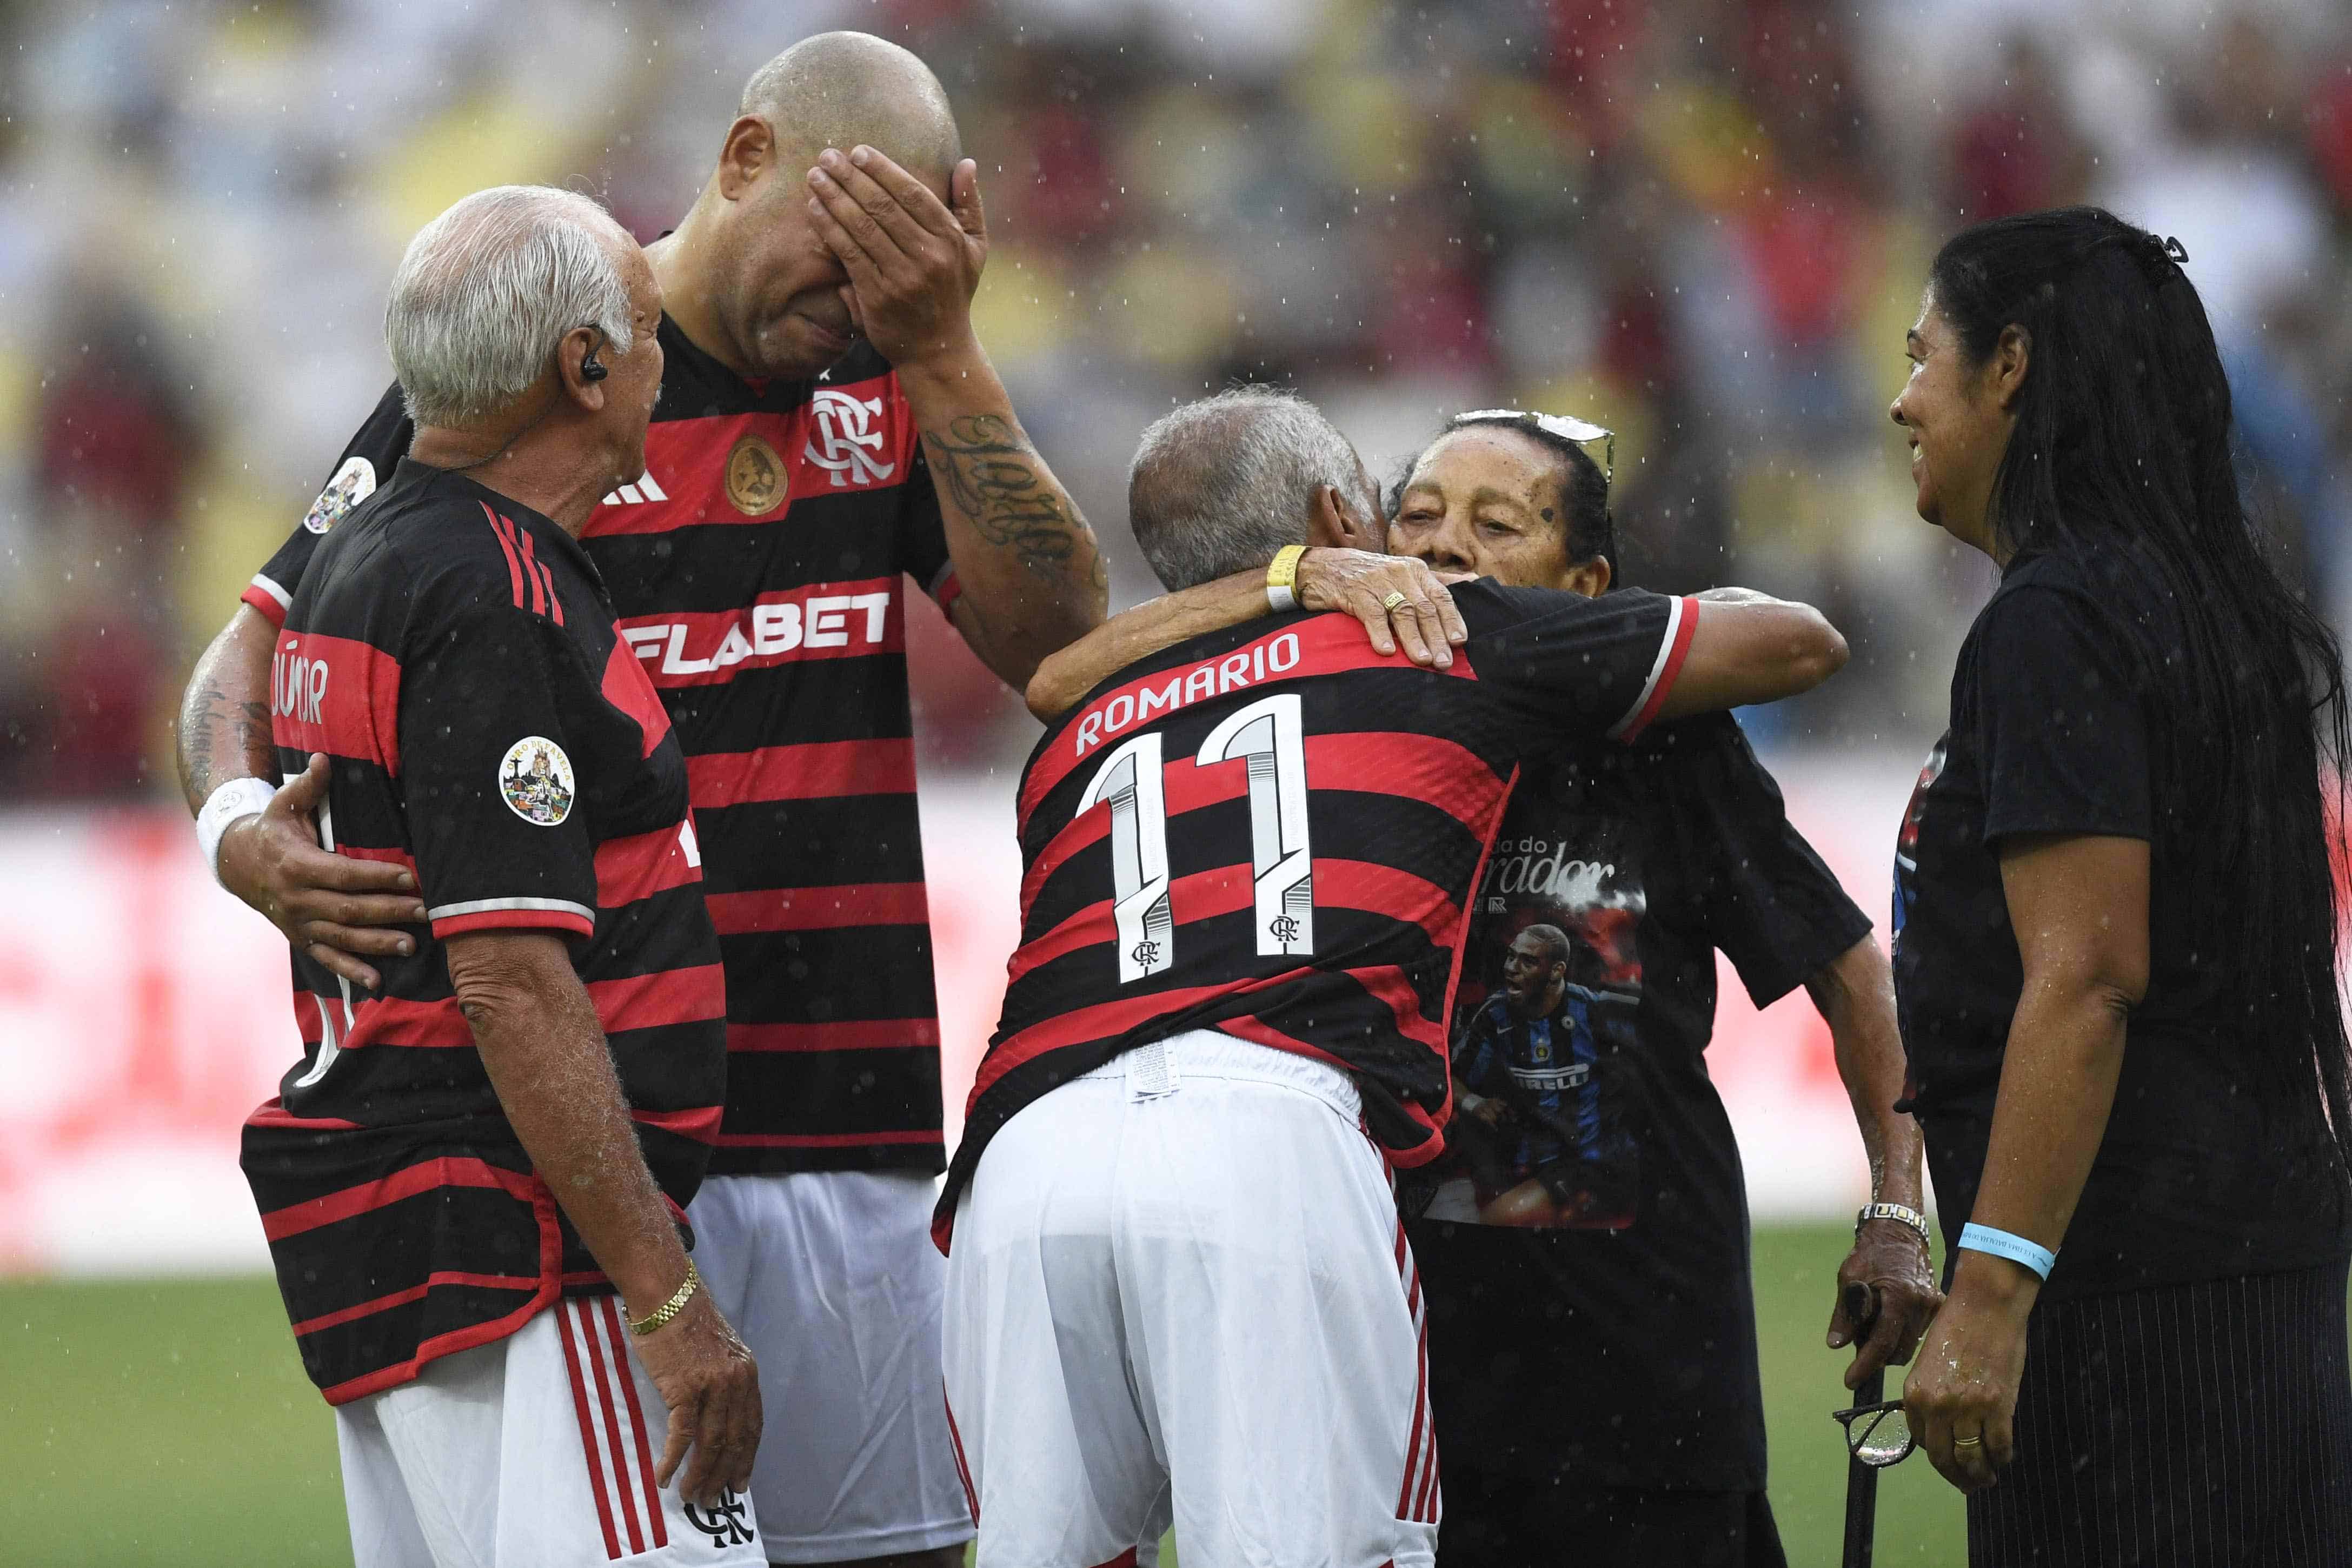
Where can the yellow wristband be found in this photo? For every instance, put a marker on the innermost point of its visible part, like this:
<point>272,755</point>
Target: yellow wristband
<point>661,1316</point>
<point>1282,578</point>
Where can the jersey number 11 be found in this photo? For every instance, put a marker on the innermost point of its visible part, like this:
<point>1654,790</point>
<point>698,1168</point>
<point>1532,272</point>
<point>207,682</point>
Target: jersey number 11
<point>1268,737</point>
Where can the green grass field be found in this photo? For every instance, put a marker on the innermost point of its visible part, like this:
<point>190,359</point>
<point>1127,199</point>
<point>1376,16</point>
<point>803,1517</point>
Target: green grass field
<point>167,1422</point>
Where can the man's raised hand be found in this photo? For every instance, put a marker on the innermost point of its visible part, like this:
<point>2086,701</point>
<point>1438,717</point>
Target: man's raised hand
<point>913,264</point>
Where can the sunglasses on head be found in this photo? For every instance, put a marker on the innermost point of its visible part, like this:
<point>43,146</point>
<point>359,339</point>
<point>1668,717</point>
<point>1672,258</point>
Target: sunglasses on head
<point>1560,425</point>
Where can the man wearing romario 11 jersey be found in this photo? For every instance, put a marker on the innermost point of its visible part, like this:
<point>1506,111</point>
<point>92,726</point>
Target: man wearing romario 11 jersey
<point>828,427</point>
<point>1178,1285</point>
<point>468,1165</point>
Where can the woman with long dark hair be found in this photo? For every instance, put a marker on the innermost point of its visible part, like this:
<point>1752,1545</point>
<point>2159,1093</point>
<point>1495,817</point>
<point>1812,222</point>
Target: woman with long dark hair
<point>2117,935</point>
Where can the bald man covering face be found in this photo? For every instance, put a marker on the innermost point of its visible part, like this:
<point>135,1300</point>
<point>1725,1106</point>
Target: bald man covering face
<point>828,426</point>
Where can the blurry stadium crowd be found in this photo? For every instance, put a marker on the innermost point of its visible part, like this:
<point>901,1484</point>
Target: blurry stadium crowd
<point>1702,222</point>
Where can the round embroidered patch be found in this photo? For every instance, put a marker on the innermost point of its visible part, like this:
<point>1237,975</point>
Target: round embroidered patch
<point>353,483</point>
<point>535,778</point>
<point>756,480</point>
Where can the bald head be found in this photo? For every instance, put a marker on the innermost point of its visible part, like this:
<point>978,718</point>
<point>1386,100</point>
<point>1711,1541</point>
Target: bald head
<point>838,89</point>
<point>749,276</point>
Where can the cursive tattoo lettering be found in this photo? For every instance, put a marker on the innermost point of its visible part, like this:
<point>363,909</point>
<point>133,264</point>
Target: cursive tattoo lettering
<point>207,712</point>
<point>986,469</point>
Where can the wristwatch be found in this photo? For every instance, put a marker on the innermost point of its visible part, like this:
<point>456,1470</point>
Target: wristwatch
<point>1900,1214</point>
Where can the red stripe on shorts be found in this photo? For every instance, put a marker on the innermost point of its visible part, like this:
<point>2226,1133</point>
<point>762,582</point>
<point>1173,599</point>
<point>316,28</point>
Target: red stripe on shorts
<point>628,1496</point>
<point>964,1470</point>
<point>637,1420</point>
<point>1425,1506</point>
<point>589,1445</point>
<point>1408,1502</point>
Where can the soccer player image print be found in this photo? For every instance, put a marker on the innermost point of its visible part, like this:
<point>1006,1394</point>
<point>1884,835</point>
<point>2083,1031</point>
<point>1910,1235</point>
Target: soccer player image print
<point>1544,1026</point>
<point>1907,843</point>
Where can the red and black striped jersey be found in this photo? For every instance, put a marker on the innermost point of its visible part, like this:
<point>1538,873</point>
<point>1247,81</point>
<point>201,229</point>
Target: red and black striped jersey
<point>757,569</point>
<point>1273,831</point>
<point>454,654</point>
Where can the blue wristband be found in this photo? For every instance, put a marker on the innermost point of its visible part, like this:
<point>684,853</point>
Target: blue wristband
<point>2001,1244</point>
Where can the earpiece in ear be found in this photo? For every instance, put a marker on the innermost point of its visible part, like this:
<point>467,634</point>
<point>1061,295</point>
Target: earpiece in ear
<point>589,369</point>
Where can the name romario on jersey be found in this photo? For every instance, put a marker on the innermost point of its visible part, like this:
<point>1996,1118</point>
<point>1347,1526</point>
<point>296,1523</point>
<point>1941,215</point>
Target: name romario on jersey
<point>455,655</point>
<point>757,570</point>
<point>1274,831</point>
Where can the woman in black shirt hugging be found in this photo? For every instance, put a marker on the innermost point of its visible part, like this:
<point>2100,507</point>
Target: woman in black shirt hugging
<point>2116,938</point>
<point>1583,1247</point>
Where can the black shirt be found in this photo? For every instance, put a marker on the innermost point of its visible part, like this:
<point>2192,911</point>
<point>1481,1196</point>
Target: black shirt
<point>2060,724</point>
<point>755,570</point>
<point>1273,830</point>
<point>1598,1327</point>
<point>454,654</point>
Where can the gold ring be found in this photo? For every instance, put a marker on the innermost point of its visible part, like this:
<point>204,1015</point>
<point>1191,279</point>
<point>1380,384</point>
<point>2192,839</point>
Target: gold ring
<point>1968,1442</point>
<point>1393,601</point>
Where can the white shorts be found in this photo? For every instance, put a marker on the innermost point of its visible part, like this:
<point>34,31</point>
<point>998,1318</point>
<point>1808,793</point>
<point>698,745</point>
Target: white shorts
<point>534,1451</point>
<point>832,1279</point>
<point>1179,1286</point>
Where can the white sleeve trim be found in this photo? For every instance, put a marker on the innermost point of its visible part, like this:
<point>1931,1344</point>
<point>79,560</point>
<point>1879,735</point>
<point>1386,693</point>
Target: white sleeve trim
<point>1657,669</point>
<point>485,906</point>
<point>940,578</point>
<point>285,600</point>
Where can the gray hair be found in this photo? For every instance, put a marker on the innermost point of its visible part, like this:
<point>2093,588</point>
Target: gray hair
<point>1219,485</point>
<point>487,290</point>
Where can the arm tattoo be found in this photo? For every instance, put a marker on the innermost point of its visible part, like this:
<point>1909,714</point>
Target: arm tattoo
<point>197,745</point>
<point>254,739</point>
<point>249,725</point>
<point>988,471</point>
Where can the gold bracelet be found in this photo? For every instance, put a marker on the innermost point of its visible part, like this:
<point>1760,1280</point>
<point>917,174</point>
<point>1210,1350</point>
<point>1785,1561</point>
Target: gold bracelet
<point>1282,578</point>
<point>662,1315</point>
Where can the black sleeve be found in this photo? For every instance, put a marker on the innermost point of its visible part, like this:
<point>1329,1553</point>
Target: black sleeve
<point>927,559</point>
<point>365,463</point>
<point>1772,907</point>
<point>500,837</point>
<point>2060,724</point>
<point>1597,667</point>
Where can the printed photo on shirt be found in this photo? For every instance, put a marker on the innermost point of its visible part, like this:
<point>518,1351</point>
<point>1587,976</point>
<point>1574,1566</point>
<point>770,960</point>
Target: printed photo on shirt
<point>1544,1038</point>
<point>1907,843</point>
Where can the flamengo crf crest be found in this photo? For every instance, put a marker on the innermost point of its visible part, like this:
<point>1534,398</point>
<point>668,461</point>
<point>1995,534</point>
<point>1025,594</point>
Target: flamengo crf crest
<point>723,1523</point>
<point>846,438</point>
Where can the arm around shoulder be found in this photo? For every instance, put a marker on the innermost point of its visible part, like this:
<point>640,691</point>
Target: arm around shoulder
<point>224,727</point>
<point>1747,648</point>
<point>1400,602</point>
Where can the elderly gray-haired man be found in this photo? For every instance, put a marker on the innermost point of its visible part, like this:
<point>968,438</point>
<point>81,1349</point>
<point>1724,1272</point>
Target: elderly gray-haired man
<point>469,1165</point>
<point>1179,1282</point>
<point>829,432</point>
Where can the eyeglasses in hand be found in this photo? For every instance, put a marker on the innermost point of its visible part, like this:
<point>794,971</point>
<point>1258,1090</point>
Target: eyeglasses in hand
<point>1878,1435</point>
